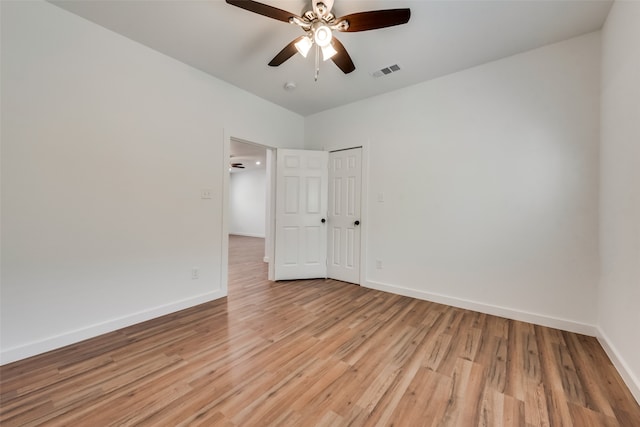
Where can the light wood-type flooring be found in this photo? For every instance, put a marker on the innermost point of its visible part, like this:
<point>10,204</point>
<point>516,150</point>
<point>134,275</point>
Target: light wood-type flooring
<point>319,353</point>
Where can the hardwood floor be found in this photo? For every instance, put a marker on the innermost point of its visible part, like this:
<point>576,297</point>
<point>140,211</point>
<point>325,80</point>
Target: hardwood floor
<point>324,353</point>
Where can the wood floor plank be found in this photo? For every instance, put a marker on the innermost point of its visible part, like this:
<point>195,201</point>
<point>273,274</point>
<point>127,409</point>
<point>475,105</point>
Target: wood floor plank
<point>319,353</point>
<point>467,380</point>
<point>498,409</point>
<point>552,368</point>
<point>492,354</point>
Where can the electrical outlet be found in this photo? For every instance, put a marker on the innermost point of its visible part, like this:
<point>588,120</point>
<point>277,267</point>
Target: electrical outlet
<point>195,273</point>
<point>206,193</point>
<point>379,264</point>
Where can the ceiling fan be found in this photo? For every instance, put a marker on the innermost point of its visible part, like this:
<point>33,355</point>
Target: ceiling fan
<point>318,25</point>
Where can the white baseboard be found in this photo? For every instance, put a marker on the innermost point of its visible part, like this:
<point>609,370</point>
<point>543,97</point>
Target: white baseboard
<point>618,361</point>
<point>54,342</point>
<point>509,313</point>
<point>265,259</point>
<point>247,234</point>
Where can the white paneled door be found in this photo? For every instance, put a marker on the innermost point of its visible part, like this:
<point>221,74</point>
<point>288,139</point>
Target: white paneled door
<point>345,175</point>
<point>301,208</point>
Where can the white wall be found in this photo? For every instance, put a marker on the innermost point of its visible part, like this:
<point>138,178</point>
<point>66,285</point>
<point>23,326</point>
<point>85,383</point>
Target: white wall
<point>489,179</point>
<point>106,145</point>
<point>247,203</point>
<point>619,293</point>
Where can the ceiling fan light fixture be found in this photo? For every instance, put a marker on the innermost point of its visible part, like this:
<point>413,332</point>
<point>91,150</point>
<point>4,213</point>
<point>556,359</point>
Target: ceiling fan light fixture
<point>328,52</point>
<point>303,45</point>
<point>322,35</point>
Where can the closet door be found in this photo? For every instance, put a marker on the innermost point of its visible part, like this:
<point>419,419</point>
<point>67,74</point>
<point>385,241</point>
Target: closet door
<point>345,177</point>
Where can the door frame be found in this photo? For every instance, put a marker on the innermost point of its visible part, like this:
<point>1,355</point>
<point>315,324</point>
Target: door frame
<point>269,211</point>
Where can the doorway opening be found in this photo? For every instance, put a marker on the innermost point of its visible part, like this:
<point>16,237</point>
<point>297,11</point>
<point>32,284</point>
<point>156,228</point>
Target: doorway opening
<point>249,190</point>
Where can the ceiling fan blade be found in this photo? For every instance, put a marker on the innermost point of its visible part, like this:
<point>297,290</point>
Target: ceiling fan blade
<point>286,53</point>
<point>263,9</point>
<point>372,20</point>
<point>342,58</point>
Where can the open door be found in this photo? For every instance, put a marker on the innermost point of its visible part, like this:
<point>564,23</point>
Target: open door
<point>301,209</point>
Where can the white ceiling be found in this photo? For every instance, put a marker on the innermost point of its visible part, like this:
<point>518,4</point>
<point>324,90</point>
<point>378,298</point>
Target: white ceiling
<point>442,37</point>
<point>247,154</point>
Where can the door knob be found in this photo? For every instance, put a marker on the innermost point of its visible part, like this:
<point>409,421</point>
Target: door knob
<point>323,220</point>
<point>356,222</point>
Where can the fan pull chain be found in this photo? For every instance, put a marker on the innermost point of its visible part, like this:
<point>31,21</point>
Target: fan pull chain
<point>317,62</point>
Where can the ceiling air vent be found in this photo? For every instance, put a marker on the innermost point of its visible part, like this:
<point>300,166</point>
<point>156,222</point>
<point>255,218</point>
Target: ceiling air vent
<point>387,70</point>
